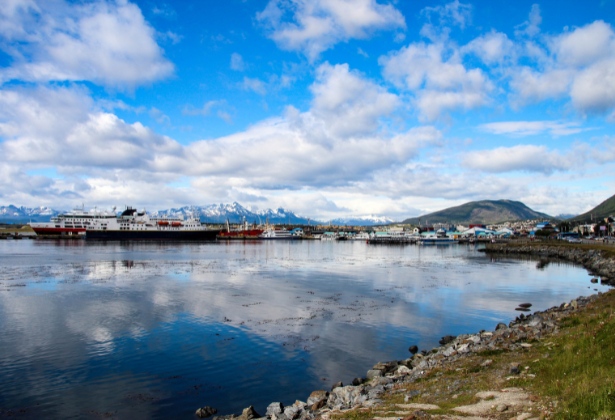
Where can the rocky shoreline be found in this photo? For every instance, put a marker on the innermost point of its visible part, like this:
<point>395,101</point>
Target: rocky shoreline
<point>594,260</point>
<point>386,378</point>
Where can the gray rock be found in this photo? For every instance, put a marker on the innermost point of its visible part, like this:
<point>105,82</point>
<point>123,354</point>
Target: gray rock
<point>348,396</point>
<point>500,326</point>
<point>464,348</point>
<point>514,368</point>
<point>501,408</point>
<point>382,381</point>
<point>249,414</point>
<point>385,367</point>
<point>318,405</point>
<point>473,339</point>
<point>374,373</point>
<point>294,411</point>
<point>403,370</point>
<point>336,385</point>
<point>446,339</point>
<point>357,381</point>
<point>205,412</point>
<point>375,392</point>
<point>449,351</point>
<point>274,408</point>
<point>317,396</point>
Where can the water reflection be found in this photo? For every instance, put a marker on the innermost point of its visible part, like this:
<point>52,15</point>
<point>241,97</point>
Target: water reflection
<point>157,330</point>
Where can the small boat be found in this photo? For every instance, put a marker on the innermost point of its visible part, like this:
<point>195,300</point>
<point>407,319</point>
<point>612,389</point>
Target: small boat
<point>279,234</point>
<point>361,236</point>
<point>440,238</point>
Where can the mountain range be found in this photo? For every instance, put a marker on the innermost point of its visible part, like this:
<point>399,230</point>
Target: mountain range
<point>474,212</point>
<point>213,213</point>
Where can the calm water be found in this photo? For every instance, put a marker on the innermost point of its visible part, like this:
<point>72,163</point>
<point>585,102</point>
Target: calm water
<point>158,330</point>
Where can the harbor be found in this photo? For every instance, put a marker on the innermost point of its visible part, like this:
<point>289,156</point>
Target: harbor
<point>132,224</point>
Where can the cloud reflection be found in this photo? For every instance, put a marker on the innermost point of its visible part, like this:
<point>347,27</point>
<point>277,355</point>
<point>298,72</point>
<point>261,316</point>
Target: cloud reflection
<point>338,311</point>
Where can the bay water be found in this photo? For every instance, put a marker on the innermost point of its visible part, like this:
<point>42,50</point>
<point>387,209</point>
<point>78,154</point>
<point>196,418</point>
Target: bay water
<point>157,330</point>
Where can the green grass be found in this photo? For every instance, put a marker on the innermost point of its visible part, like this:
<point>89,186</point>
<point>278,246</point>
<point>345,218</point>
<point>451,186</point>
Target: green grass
<point>580,372</point>
<point>574,372</point>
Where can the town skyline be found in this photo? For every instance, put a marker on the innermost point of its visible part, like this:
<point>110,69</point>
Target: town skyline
<point>327,108</point>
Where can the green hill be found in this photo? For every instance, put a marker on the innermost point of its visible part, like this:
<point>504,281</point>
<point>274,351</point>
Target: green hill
<point>481,212</point>
<point>602,210</point>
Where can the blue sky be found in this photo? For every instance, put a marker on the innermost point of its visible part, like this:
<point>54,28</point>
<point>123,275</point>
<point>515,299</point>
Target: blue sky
<point>327,107</point>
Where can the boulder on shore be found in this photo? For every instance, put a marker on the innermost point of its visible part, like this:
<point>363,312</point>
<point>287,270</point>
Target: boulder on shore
<point>205,412</point>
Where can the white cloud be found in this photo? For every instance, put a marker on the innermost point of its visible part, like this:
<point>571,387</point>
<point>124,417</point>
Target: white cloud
<point>454,13</point>
<point>593,89</point>
<point>492,48</point>
<point>316,26</point>
<point>348,104</point>
<point>254,85</point>
<point>205,110</point>
<point>531,128</point>
<point>106,43</point>
<point>530,27</point>
<point>440,84</point>
<point>62,128</point>
<point>237,63</point>
<point>59,127</point>
<point>585,45</point>
<point>530,158</point>
<point>12,15</point>
<point>529,85</point>
<point>577,65</point>
<point>604,152</point>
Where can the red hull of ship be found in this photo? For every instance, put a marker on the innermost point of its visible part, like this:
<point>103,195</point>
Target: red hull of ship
<point>58,231</point>
<point>241,234</point>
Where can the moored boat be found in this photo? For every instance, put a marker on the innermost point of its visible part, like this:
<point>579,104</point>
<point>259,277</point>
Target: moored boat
<point>244,232</point>
<point>73,223</point>
<point>440,238</point>
<point>133,225</point>
<point>281,234</point>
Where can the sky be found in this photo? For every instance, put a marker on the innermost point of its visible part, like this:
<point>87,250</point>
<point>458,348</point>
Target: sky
<point>327,108</point>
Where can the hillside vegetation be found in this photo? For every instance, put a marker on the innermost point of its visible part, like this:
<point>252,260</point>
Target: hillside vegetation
<point>481,212</point>
<point>602,210</point>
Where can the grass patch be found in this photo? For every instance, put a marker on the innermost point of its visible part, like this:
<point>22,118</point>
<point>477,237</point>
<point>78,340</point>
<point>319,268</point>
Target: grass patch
<point>489,353</point>
<point>580,372</point>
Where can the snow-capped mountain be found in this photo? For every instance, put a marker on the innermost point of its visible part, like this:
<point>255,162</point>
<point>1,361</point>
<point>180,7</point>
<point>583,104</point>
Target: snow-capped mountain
<point>236,213</point>
<point>371,220</point>
<point>213,213</point>
<point>14,214</point>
